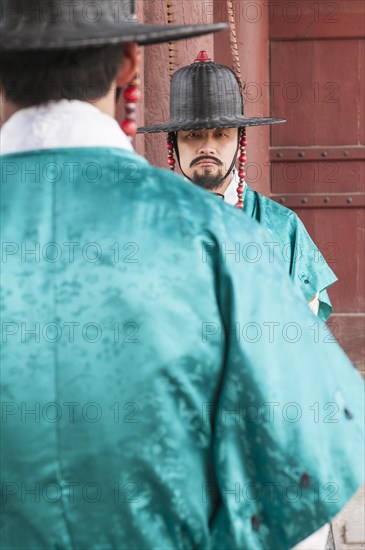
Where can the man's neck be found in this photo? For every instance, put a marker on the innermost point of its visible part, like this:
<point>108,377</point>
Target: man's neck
<point>105,104</point>
<point>224,185</point>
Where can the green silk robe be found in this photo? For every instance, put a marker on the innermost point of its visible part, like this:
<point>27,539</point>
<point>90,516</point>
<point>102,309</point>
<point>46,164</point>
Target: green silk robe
<point>157,390</point>
<point>292,244</point>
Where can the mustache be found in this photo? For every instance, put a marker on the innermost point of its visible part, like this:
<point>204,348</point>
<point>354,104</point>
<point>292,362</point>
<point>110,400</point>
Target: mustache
<point>205,157</point>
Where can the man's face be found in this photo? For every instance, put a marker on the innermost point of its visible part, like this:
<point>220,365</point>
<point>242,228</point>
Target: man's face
<point>206,155</point>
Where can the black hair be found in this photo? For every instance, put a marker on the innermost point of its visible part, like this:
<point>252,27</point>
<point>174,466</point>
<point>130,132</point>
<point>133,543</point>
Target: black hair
<point>35,77</point>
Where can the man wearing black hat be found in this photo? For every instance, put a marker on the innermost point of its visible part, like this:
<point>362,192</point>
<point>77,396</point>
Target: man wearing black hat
<point>130,372</point>
<point>207,131</point>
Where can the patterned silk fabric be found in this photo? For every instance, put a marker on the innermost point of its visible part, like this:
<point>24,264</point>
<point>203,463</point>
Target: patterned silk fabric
<point>158,390</point>
<point>292,243</point>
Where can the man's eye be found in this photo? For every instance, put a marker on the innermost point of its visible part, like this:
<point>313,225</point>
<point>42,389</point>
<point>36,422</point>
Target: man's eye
<point>193,135</point>
<point>220,134</point>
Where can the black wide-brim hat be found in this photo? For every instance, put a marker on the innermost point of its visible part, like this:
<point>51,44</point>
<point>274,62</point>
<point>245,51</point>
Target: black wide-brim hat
<point>50,25</point>
<point>203,96</point>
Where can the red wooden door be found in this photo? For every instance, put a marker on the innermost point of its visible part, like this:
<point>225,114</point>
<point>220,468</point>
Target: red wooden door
<point>317,157</point>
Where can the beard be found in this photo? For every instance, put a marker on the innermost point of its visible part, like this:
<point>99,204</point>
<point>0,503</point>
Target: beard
<point>208,181</point>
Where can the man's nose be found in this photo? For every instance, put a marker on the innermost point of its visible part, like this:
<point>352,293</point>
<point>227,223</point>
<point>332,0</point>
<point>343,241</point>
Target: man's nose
<point>207,148</point>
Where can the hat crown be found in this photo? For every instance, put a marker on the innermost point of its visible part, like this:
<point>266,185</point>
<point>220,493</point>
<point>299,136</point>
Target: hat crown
<point>205,91</point>
<point>206,95</point>
<point>59,24</point>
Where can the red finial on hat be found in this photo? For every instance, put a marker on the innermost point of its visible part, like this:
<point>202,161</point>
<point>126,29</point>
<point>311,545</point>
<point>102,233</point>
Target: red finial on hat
<point>202,56</point>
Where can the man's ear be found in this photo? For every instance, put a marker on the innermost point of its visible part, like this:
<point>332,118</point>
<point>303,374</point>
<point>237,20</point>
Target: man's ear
<point>129,65</point>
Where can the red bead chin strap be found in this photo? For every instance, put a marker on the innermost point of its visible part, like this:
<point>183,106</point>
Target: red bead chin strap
<point>170,148</point>
<point>131,96</point>
<point>241,171</point>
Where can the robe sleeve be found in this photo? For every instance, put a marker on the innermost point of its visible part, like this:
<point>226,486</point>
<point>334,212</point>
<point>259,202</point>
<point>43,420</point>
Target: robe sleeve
<point>310,270</point>
<point>289,419</point>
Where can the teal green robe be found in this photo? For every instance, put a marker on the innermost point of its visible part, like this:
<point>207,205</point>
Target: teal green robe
<point>156,391</point>
<point>292,244</point>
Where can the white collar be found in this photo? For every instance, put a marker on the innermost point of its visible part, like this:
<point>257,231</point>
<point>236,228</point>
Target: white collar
<point>230,195</point>
<point>61,124</point>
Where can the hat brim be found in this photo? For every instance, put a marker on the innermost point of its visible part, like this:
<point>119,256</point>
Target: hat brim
<point>64,35</point>
<point>226,122</point>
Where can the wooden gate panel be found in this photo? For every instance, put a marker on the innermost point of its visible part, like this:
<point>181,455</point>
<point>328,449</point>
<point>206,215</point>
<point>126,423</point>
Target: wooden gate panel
<point>336,83</point>
<point>317,157</point>
<point>329,176</point>
<point>319,107</point>
<point>361,92</point>
<point>291,98</point>
<point>304,19</point>
<point>349,332</point>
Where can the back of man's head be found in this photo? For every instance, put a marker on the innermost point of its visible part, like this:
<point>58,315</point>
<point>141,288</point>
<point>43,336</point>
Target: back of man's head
<point>34,78</point>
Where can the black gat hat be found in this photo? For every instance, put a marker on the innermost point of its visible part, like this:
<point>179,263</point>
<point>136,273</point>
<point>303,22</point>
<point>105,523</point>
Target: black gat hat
<point>58,24</point>
<point>206,95</point>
